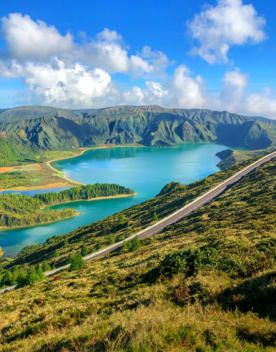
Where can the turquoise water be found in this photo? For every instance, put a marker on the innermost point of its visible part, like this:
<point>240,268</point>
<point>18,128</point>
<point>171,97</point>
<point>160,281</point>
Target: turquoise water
<point>145,170</point>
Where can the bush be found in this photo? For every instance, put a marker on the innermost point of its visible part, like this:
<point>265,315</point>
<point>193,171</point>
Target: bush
<point>155,217</point>
<point>98,245</point>
<point>76,262</point>
<point>46,266</point>
<point>132,245</point>
<point>232,258</point>
<point>84,250</point>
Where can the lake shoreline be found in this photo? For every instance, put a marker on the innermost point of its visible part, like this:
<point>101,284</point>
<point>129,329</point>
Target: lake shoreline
<point>61,174</point>
<point>94,199</point>
<point>118,196</point>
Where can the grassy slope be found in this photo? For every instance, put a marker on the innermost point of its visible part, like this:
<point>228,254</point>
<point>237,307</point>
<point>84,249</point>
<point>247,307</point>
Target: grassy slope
<point>232,157</point>
<point>110,305</point>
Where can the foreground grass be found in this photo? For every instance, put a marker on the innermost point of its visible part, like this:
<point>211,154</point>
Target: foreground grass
<point>134,301</point>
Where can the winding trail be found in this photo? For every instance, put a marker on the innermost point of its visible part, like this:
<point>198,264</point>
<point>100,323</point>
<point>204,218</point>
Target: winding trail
<point>172,218</point>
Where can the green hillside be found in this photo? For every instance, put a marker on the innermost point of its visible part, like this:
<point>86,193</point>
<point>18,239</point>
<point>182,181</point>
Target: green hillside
<point>206,283</point>
<point>21,211</point>
<point>28,131</point>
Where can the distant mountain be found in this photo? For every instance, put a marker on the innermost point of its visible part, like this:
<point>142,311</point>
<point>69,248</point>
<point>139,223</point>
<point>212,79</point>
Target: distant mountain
<point>36,128</point>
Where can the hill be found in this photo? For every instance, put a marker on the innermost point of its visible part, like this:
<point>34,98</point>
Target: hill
<point>27,131</point>
<point>206,283</point>
<point>22,211</point>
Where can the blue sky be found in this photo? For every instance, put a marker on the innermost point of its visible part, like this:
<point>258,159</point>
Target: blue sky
<point>216,54</point>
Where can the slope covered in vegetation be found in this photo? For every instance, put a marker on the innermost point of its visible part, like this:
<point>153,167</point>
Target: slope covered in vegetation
<point>27,131</point>
<point>20,211</point>
<point>206,283</point>
<point>86,192</point>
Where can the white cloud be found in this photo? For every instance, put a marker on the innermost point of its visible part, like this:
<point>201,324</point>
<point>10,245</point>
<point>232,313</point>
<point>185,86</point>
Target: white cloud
<point>181,91</point>
<point>29,39</point>
<point>263,104</point>
<point>217,28</point>
<point>187,91</point>
<point>58,84</point>
<point>232,95</point>
<point>153,93</point>
<point>58,71</point>
<point>34,41</point>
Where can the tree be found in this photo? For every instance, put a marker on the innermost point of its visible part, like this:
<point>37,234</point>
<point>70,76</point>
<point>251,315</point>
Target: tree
<point>46,266</point>
<point>110,240</point>
<point>155,217</point>
<point>98,245</point>
<point>8,278</point>
<point>122,219</point>
<point>76,262</point>
<point>132,245</point>
<point>32,276</point>
<point>40,272</point>
<point>84,250</point>
<point>135,244</point>
<point>22,278</point>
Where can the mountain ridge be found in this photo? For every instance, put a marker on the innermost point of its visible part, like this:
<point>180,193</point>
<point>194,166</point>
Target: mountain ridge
<point>39,128</point>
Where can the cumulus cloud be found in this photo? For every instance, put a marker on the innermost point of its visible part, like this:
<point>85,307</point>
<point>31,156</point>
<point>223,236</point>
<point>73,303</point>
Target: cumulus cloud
<point>230,23</point>
<point>181,91</point>
<point>59,71</point>
<point>232,95</point>
<point>29,39</point>
<point>263,104</point>
<point>186,90</point>
<point>235,96</point>
<point>57,84</point>
<point>153,93</point>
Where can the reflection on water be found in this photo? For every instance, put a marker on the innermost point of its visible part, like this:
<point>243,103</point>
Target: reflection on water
<point>146,170</point>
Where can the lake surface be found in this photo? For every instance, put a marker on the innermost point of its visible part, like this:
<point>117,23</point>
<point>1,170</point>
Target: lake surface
<point>146,170</point>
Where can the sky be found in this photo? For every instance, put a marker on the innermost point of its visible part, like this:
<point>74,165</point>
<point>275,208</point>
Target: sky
<point>215,54</point>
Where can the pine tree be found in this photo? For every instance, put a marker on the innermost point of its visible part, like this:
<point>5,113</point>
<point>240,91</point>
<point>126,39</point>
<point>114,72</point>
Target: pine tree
<point>84,250</point>
<point>46,266</point>
<point>32,276</point>
<point>122,219</point>
<point>76,262</point>
<point>40,272</point>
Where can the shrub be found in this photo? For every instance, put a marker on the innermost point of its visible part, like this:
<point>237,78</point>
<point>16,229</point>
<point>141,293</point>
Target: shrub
<point>132,245</point>
<point>84,250</point>
<point>76,262</point>
<point>98,245</point>
<point>46,266</point>
<point>122,220</point>
<point>155,217</point>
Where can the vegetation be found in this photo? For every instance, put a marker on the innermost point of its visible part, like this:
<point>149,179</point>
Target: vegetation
<point>206,283</point>
<point>84,193</point>
<point>13,179</point>
<point>112,229</point>
<point>76,262</point>
<point>21,277</point>
<point>51,129</point>
<point>20,211</point>
<point>232,157</point>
